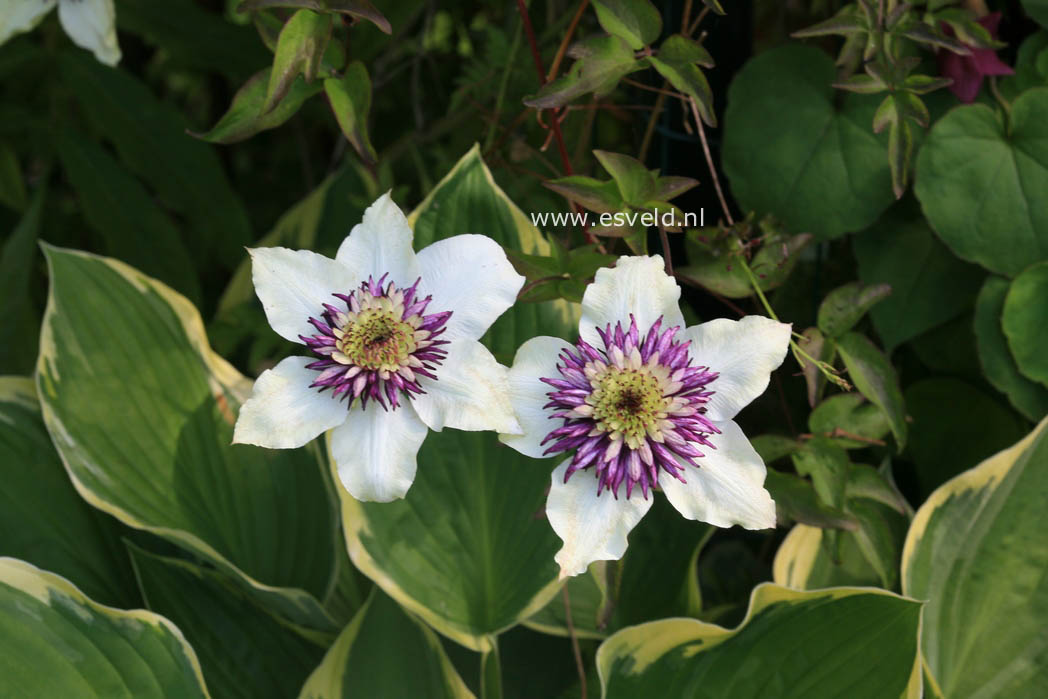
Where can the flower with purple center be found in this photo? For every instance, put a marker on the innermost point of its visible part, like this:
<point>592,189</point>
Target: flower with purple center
<point>640,402</point>
<point>395,343</point>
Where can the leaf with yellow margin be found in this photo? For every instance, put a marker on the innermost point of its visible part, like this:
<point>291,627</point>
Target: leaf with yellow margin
<point>978,553</point>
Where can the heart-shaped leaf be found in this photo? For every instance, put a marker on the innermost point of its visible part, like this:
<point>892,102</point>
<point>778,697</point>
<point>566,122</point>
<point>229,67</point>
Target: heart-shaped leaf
<point>1024,321</point>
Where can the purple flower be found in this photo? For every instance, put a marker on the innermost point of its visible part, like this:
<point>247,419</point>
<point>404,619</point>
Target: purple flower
<point>967,71</point>
<point>395,338</point>
<point>641,402</point>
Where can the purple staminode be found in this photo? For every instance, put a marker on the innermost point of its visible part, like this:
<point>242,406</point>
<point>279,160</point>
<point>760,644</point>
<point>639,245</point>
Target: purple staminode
<point>630,408</point>
<point>379,345</point>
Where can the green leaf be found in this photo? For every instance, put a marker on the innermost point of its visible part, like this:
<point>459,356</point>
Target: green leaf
<point>357,9</point>
<point>18,317</point>
<point>670,187</point>
<point>676,62</point>
<point>43,520</point>
<point>56,642</point>
<point>974,552</point>
<point>978,180</point>
<point>879,542</point>
<point>247,116</point>
<point>815,165</point>
<point>817,346</point>
<point>1030,70</point>
<point>142,411</point>
<point>873,484</point>
<point>638,22</point>
<point>955,426</point>
<point>244,652</point>
<point>193,37</point>
<point>1023,321</point>
<point>350,99</point>
<point>796,501</point>
<point>300,49</point>
<point>845,306</point>
<point>805,561</point>
<point>474,568</point>
<point>1038,10</point>
<point>123,213</point>
<point>1029,398</point>
<point>875,378</point>
<point>600,62</point>
<point>150,139</point>
<point>681,657</point>
<point>595,195</point>
<point>636,183</point>
<point>588,608</point>
<point>384,652</point>
<point>848,412</point>
<point>827,465</point>
<point>12,186</point>
<point>929,284</point>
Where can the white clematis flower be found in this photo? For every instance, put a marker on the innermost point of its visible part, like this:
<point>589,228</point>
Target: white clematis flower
<point>395,337</point>
<point>641,401</point>
<point>91,24</point>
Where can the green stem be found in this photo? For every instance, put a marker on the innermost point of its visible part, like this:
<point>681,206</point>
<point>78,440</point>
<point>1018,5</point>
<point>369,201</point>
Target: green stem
<point>491,671</point>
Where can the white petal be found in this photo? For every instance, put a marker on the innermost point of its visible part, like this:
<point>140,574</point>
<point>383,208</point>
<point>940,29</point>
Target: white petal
<point>293,285</point>
<point>536,359</point>
<point>283,411</point>
<point>637,285</point>
<point>744,352</point>
<point>381,244</point>
<point>91,24</point>
<point>21,16</point>
<point>470,276</point>
<point>592,527</point>
<point>375,451</point>
<point>728,486</point>
<point>471,392</point>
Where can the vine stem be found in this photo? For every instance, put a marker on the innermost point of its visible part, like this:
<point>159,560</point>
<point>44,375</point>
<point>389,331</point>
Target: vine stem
<point>563,49</point>
<point>574,641</point>
<point>709,162</point>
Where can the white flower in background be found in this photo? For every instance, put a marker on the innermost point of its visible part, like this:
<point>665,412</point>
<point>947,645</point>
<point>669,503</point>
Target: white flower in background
<point>91,24</point>
<point>641,401</point>
<point>395,338</point>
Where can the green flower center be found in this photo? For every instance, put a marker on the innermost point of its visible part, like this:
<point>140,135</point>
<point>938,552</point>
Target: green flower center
<point>628,402</point>
<point>377,339</point>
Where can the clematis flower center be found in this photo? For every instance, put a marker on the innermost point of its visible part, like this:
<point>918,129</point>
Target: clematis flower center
<point>378,345</point>
<point>630,408</point>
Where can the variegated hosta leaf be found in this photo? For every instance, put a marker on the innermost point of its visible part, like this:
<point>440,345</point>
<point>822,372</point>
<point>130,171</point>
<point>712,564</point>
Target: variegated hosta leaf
<point>141,411</point>
<point>977,552</point>
<point>81,544</point>
<point>56,642</point>
<point>845,642</point>
<point>469,549</point>
<point>384,652</point>
<point>244,651</point>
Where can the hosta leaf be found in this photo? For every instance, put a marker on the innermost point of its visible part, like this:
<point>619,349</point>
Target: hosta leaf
<point>875,378</point>
<point>384,652</point>
<point>81,543</point>
<point>762,656</point>
<point>56,642</point>
<point>929,284</point>
<point>1023,321</point>
<point>815,165</point>
<point>142,413</point>
<point>126,217</point>
<point>150,138</point>
<point>1028,397</point>
<point>247,116</point>
<point>806,560</point>
<point>17,315</point>
<point>974,552</point>
<point>244,651</point>
<point>468,549</point>
<point>979,180</point>
<point>638,22</point>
